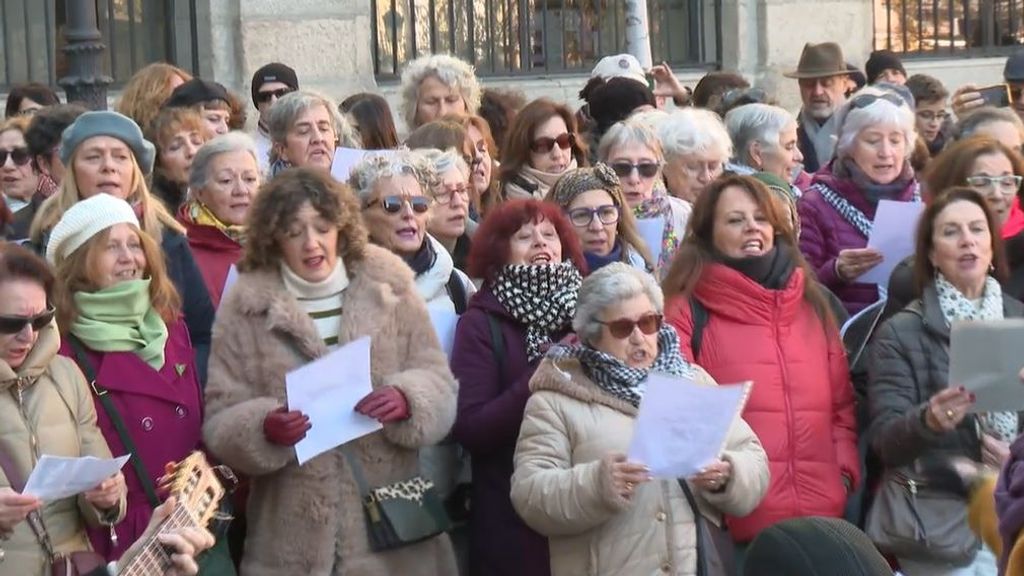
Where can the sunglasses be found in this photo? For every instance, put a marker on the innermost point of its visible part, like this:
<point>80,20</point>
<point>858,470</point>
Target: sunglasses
<point>15,324</point>
<point>393,204</point>
<point>623,327</point>
<point>625,169</point>
<point>19,156</point>
<point>865,100</point>
<point>582,217</point>
<point>544,145</point>
<point>264,97</point>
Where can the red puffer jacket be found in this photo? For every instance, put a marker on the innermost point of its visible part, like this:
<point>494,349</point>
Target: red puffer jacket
<point>801,406</point>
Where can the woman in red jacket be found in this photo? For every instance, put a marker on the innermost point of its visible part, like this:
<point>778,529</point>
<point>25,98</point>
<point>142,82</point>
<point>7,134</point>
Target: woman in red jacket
<point>757,314</point>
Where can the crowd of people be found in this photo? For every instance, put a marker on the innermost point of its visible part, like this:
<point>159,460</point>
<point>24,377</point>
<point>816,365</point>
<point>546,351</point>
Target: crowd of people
<point>162,271</point>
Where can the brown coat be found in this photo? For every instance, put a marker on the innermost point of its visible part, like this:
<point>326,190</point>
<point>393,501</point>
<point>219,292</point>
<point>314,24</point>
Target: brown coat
<point>308,520</point>
<point>48,400</point>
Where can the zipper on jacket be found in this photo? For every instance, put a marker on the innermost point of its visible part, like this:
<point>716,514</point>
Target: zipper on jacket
<point>33,439</point>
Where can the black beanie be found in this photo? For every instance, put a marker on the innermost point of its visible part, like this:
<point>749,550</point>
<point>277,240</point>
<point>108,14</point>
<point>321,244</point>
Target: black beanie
<point>880,61</point>
<point>196,91</point>
<point>814,546</point>
<point>273,72</point>
<point>615,100</point>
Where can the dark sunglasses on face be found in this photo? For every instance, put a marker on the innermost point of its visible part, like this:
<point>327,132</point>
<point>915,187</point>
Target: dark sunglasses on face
<point>393,204</point>
<point>582,217</point>
<point>865,100</point>
<point>544,145</point>
<point>623,327</point>
<point>625,169</point>
<point>19,156</point>
<point>264,97</point>
<point>15,324</point>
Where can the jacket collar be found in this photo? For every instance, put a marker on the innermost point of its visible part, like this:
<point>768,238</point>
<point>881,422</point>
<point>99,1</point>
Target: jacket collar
<point>37,361</point>
<point>731,294</point>
<point>567,378</point>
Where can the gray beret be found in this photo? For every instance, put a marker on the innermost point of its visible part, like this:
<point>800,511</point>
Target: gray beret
<point>105,123</point>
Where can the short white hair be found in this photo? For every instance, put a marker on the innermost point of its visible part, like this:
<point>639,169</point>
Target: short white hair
<point>606,287</point>
<point>629,131</point>
<point>650,118</point>
<point>233,141</point>
<point>852,121</point>
<point>285,112</point>
<point>450,70</point>
<point>759,123</point>
<point>370,170</point>
<point>694,131</point>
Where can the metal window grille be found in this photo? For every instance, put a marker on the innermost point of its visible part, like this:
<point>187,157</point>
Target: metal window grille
<point>949,27</point>
<point>529,37</point>
<point>136,33</point>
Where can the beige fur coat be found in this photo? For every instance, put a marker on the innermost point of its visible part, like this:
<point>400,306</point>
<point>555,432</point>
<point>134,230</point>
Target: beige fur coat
<point>308,520</point>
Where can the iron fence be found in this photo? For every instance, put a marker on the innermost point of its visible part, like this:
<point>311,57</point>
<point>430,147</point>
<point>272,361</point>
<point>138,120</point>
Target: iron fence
<point>136,33</point>
<point>524,37</point>
<point>949,27</point>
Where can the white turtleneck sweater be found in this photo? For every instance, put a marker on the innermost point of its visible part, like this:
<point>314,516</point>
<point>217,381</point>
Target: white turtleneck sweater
<point>321,300</point>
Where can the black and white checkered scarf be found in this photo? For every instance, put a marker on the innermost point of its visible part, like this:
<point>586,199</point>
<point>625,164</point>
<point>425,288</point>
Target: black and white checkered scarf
<point>623,381</point>
<point>543,297</point>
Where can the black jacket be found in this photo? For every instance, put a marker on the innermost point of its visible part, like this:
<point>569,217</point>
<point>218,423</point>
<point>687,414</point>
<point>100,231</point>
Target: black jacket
<point>195,299</point>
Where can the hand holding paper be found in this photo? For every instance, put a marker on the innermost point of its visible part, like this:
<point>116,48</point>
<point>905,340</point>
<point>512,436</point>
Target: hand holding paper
<point>14,508</point>
<point>892,234</point>
<point>108,493</point>
<point>57,477</point>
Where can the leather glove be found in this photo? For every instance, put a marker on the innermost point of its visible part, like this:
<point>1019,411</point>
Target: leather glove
<point>386,404</point>
<point>284,427</point>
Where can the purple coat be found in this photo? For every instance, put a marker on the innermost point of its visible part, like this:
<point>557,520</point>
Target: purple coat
<point>1009,496</point>
<point>824,233</point>
<point>490,411</point>
<point>163,413</point>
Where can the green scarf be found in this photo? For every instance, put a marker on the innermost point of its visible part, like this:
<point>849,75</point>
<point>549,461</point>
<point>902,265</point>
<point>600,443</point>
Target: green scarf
<point>121,318</point>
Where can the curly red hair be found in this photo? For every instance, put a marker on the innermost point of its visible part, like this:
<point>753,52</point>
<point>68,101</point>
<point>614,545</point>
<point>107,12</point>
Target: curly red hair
<point>490,249</point>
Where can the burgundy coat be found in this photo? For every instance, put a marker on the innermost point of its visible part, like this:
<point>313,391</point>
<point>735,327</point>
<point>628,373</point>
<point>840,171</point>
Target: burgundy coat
<point>163,413</point>
<point>824,233</point>
<point>214,253</point>
<point>490,411</point>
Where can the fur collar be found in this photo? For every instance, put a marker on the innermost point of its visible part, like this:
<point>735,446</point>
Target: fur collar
<point>380,280</point>
<point>567,378</point>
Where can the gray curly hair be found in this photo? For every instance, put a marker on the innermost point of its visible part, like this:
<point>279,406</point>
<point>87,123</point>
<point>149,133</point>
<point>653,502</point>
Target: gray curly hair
<point>449,70</point>
<point>364,176</point>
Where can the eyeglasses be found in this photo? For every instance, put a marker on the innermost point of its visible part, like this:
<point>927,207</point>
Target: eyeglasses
<point>1007,185</point>
<point>393,204</point>
<point>15,324</point>
<point>544,145</point>
<point>19,156</point>
<point>582,217</point>
<point>865,100</point>
<point>625,169</point>
<point>623,327</point>
<point>264,97</point>
<point>445,197</point>
<point>930,115</point>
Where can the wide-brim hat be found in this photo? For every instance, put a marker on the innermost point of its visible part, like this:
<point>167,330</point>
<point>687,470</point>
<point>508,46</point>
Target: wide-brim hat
<point>820,61</point>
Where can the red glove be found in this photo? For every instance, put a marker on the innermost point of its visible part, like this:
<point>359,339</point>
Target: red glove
<point>385,405</point>
<point>285,428</point>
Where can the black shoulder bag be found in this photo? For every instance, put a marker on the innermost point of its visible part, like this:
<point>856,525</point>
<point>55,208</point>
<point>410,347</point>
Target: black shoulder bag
<point>716,552</point>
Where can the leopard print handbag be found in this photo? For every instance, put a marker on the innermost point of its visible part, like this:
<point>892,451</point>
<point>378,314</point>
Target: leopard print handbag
<point>401,513</point>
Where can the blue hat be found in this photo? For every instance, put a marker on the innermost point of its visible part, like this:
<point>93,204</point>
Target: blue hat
<point>105,123</point>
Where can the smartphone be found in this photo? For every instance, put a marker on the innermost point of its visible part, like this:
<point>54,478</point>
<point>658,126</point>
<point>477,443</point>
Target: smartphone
<point>998,95</point>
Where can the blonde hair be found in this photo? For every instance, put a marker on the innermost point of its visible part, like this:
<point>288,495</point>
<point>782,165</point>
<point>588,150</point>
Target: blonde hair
<point>154,218</point>
<point>147,90</point>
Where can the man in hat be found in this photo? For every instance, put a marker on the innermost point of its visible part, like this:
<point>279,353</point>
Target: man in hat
<point>269,84</point>
<point>967,97</point>
<point>822,75</point>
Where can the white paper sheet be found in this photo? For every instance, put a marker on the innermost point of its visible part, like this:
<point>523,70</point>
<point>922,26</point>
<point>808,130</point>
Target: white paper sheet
<point>652,230</point>
<point>893,235</point>
<point>445,322</point>
<point>986,358</point>
<point>327,390</point>
<point>56,477</point>
<point>346,158</point>
<point>682,426</point>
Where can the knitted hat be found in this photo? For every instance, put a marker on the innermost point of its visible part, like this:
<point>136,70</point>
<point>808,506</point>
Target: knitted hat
<point>576,182</point>
<point>616,100</point>
<point>86,219</point>
<point>273,72</point>
<point>880,61</point>
<point>196,91</point>
<point>620,66</point>
<point>105,123</point>
<point>857,76</point>
<point>814,546</point>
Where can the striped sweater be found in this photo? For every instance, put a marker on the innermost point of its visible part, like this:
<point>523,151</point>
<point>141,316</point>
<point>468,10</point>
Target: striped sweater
<point>323,301</point>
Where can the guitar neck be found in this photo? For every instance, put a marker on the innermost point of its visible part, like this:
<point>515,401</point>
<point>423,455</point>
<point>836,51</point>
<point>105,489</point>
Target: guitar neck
<point>153,558</point>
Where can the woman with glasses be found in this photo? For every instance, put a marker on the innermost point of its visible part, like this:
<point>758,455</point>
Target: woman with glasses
<point>542,144</point>
<point>402,196</point>
<point>985,165</point>
<point>531,265</point>
<point>27,99</point>
<point>45,408</point>
<point>931,111</point>
<point>19,177</point>
<point>876,135</point>
<point>592,199</point>
<point>444,134</point>
<point>747,307</point>
<point>634,154</point>
<point>697,147</point>
<point>573,481</point>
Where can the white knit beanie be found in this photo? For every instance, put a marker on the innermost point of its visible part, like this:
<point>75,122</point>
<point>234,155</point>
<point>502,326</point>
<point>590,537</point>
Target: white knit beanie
<point>86,219</point>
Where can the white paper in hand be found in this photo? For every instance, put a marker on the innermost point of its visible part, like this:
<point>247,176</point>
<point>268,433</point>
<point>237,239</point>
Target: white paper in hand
<point>682,426</point>
<point>652,231</point>
<point>57,477</point>
<point>892,234</point>
<point>327,390</point>
<point>985,358</point>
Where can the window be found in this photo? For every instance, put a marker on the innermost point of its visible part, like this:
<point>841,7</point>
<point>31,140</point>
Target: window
<point>944,27</point>
<point>508,37</point>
